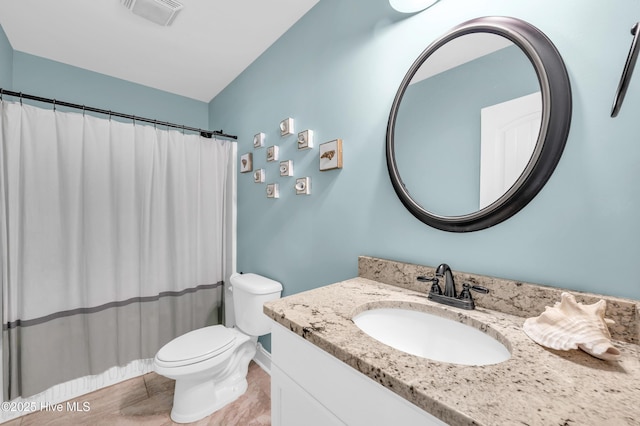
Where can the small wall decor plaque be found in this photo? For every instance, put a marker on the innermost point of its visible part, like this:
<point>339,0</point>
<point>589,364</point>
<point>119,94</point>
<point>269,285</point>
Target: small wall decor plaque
<point>286,127</point>
<point>286,168</point>
<point>331,155</point>
<point>246,163</point>
<point>303,186</point>
<point>305,139</point>
<point>272,153</point>
<point>258,140</point>
<point>273,191</point>
<point>258,176</point>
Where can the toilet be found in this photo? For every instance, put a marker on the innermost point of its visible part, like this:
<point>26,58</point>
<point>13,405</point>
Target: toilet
<point>210,364</point>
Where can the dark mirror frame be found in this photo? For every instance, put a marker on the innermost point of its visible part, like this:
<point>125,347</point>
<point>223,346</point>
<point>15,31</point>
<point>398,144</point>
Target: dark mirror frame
<point>554,129</point>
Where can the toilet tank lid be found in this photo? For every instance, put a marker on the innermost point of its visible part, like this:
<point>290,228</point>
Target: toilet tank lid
<point>255,284</point>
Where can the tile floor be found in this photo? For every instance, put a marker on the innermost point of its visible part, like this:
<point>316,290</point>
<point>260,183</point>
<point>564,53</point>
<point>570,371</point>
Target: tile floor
<point>146,400</point>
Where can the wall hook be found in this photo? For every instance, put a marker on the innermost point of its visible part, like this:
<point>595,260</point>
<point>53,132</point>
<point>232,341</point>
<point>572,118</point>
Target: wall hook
<point>626,72</point>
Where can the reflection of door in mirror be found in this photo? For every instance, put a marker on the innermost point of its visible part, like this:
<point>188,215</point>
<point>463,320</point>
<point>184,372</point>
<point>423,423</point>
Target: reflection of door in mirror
<point>509,132</point>
<point>438,124</point>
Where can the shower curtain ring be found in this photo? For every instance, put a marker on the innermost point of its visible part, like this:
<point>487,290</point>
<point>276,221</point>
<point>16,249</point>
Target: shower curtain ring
<point>54,105</point>
<point>109,115</point>
<point>83,110</point>
<point>183,129</point>
<point>1,93</point>
<point>20,98</point>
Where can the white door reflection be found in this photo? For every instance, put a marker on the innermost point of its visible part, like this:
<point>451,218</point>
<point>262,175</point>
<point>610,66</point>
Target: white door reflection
<point>509,132</point>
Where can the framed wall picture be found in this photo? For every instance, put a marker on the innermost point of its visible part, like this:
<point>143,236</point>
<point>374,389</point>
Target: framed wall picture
<point>246,163</point>
<point>331,155</point>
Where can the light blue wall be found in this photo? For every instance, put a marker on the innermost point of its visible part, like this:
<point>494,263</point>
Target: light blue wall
<point>6,61</point>
<point>336,72</point>
<point>42,77</point>
<point>431,136</point>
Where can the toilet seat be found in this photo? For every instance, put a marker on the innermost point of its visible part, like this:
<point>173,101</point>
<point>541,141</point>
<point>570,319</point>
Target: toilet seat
<point>196,346</point>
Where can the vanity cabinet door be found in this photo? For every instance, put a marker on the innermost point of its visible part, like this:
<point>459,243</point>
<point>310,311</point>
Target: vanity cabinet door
<point>311,387</point>
<point>293,406</point>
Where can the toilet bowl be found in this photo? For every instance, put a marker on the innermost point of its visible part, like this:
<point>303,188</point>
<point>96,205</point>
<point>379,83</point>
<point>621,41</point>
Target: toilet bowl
<point>210,364</point>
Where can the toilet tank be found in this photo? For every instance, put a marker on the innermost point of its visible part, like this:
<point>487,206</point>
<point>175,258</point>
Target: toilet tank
<point>250,291</point>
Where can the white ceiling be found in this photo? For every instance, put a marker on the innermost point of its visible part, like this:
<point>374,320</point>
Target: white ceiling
<point>460,51</point>
<point>208,45</point>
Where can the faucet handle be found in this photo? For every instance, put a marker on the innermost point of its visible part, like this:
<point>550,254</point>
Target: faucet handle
<point>424,279</point>
<point>465,294</point>
<point>479,289</point>
<point>435,287</point>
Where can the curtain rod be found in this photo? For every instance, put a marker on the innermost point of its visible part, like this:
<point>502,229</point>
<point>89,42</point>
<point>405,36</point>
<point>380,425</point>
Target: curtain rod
<point>203,133</point>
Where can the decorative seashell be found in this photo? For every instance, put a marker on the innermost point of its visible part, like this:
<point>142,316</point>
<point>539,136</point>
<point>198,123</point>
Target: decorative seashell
<point>572,325</point>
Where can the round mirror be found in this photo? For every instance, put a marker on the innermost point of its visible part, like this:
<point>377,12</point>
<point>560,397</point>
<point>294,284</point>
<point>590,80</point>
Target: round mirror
<point>478,124</point>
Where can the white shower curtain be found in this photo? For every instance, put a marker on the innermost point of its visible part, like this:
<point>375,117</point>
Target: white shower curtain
<point>112,239</point>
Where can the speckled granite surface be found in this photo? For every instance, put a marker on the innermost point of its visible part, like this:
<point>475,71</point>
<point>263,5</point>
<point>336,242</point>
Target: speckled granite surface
<point>537,386</point>
<point>511,297</point>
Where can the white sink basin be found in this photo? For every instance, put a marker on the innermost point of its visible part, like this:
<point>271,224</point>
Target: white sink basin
<point>431,336</point>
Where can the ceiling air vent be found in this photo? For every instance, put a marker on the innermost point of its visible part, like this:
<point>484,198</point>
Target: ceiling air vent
<point>162,12</point>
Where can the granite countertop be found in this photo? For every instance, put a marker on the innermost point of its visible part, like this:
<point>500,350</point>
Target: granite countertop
<point>536,386</point>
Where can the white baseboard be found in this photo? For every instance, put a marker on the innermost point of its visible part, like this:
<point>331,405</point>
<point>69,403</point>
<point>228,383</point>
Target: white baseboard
<point>263,359</point>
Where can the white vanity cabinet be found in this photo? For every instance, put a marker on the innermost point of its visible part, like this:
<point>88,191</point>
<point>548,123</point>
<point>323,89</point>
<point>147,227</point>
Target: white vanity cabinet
<point>312,388</point>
